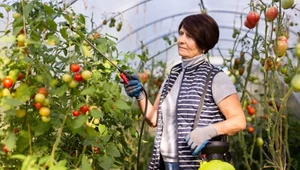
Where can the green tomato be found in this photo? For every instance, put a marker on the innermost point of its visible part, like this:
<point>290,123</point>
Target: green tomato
<point>21,38</point>
<point>295,83</point>
<point>46,119</point>
<point>259,141</point>
<point>16,15</point>
<point>96,121</point>
<point>286,4</point>
<point>20,113</point>
<point>73,84</point>
<point>297,50</point>
<point>39,97</point>
<point>46,102</point>
<point>67,78</point>
<point>86,74</point>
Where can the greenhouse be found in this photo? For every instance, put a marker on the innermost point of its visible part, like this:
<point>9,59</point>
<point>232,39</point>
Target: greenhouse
<point>126,84</point>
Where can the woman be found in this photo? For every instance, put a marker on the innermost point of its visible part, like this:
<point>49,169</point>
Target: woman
<point>176,144</point>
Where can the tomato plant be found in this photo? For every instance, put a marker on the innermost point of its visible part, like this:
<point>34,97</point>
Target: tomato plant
<point>38,93</point>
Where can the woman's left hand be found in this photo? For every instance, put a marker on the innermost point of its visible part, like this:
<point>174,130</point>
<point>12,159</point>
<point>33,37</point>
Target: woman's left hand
<point>199,137</point>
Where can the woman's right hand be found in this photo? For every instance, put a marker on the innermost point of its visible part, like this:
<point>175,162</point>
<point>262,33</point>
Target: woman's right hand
<point>134,88</point>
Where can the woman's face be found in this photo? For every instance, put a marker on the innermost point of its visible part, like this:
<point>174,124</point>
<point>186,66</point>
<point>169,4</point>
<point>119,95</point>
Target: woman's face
<point>187,47</point>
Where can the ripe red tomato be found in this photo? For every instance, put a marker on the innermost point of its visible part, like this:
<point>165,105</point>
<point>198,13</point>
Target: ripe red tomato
<point>248,24</point>
<point>84,108</point>
<point>271,13</point>
<point>15,130</point>
<point>253,17</point>
<point>78,77</point>
<point>96,150</point>
<point>251,129</point>
<point>20,76</point>
<point>38,105</point>
<point>4,148</point>
<point>253,101</point>
<point>75,113</point>
<point>43,90</point>
<point>7,82</point>
<point>251,110</point>
<point>74,67</point>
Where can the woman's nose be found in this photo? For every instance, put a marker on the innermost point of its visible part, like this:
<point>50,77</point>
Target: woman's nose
<point>180,39</point>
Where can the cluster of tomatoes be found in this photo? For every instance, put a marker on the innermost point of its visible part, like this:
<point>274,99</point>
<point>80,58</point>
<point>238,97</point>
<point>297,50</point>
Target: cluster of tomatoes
<point>77,75</point>
<point>253,17</point>
<point>41,103</point>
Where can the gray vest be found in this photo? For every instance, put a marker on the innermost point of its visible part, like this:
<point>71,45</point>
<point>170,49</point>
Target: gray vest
<point>188,101</point>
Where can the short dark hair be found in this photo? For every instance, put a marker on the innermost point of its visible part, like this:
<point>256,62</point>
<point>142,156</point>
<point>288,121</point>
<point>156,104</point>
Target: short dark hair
<point>203,29</point>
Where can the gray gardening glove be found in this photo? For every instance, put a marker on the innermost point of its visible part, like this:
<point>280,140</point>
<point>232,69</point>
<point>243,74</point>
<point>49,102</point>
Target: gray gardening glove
<point>199,137</point>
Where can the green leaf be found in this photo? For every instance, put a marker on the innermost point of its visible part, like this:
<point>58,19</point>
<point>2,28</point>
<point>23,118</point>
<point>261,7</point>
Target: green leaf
<point>11,102</point>
<point>121,104</point>
<point>61,165</point>
<point>88,91</point>
<point>22,142</point>
<point>51,24</point>
<point>44,159</point>
<point>106,162</point>
<point>102,48</point>
<point>64,33</point>
<point>19,156</point>
<point>10,141</point>
<point>96,113</point>
<point>85,163</point>
<point>92,132</point>
<point>23,93</point>
<point>112,150</point>
<point>7,40</point>
<point>48,9</point>
<point>79,121</point>
<point>82,18</point>
<point>41,128</point>
<point>60,91</point>
<point>27,9</point>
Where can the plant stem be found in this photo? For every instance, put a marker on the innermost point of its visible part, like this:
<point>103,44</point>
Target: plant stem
<point>80,157</point>
<point>59,135</point>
